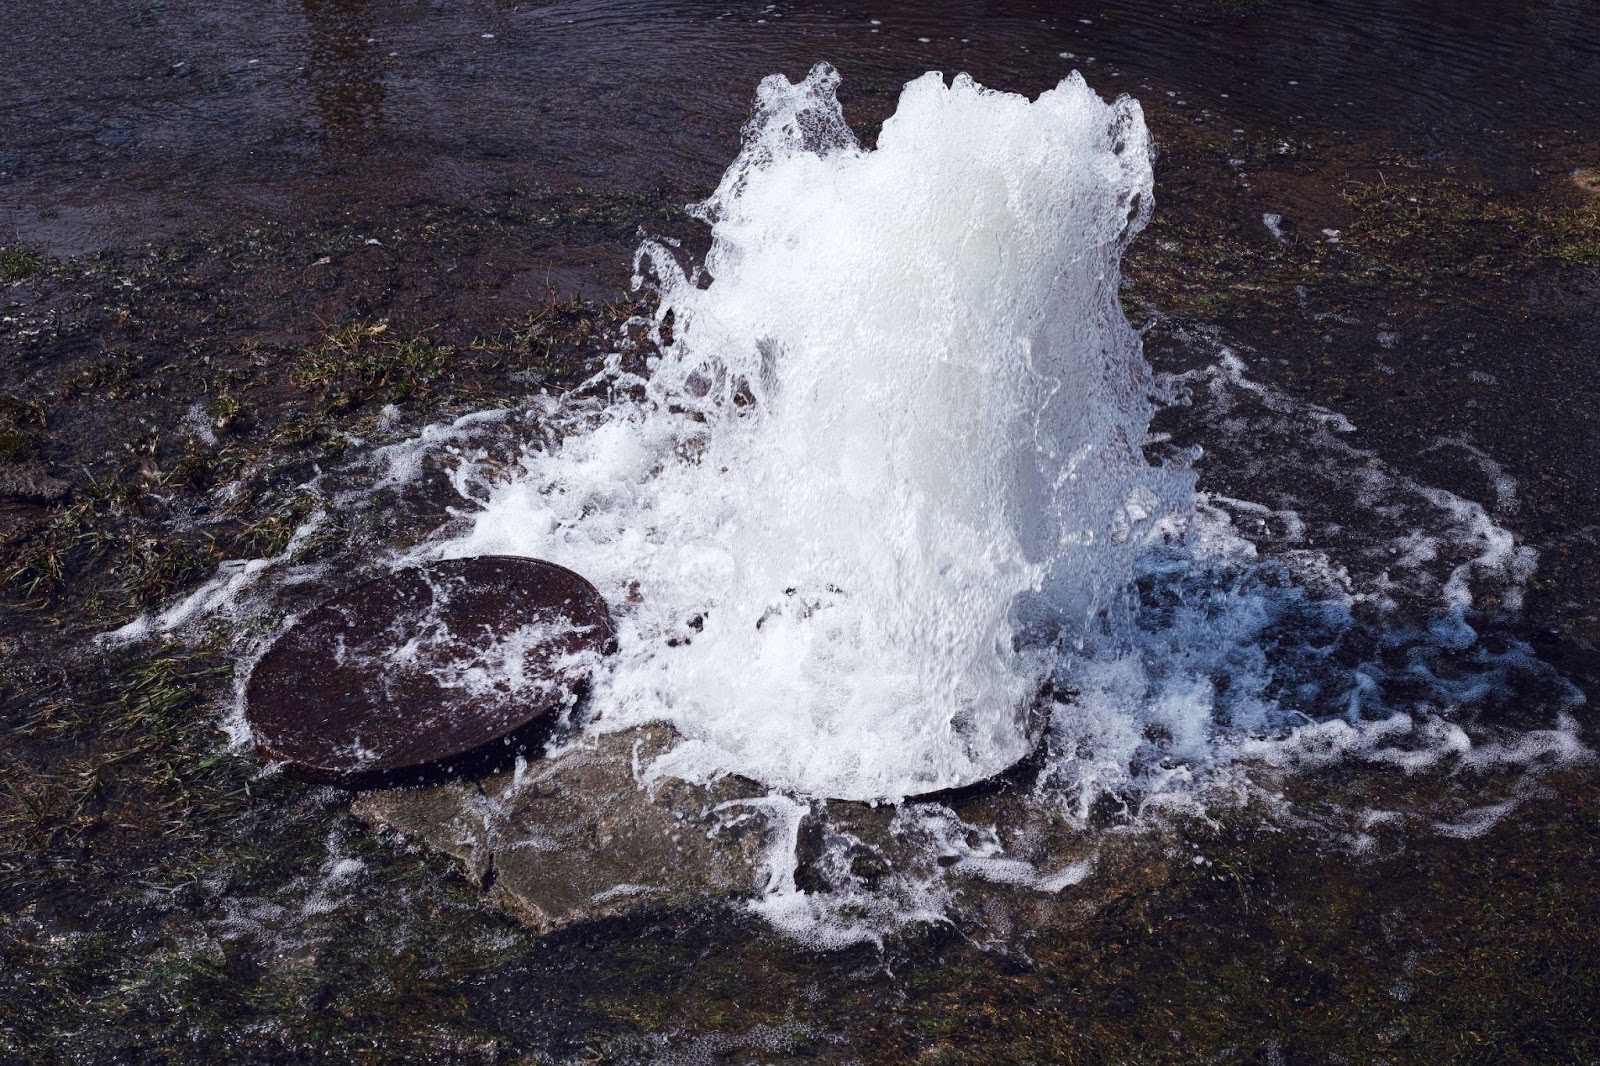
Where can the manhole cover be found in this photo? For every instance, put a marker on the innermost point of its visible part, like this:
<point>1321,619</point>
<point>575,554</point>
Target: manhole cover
<point>426,664</point>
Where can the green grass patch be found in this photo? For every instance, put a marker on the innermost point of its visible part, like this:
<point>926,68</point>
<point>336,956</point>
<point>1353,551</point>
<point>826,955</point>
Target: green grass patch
<point>1449,224</point>
<point>16,445</point>
<point>19,264</point>
<point>1571,235</point>
<point>21,424</point>
<point>366,360</point>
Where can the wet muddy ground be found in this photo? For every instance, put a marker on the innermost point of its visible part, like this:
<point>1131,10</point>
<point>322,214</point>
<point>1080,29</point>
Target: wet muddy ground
<point>236,238</point>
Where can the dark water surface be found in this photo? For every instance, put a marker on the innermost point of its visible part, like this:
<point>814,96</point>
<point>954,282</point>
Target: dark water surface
<point>209,189</point>
<point>123,122</point>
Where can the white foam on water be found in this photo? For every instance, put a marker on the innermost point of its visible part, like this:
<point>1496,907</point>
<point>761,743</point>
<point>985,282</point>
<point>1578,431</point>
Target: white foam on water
<point>1251,657</point>
<point>1504,485</point>
<point>888,457</point>
<point>884,488</point>
<point>926,860</point>
<point>850,912</point>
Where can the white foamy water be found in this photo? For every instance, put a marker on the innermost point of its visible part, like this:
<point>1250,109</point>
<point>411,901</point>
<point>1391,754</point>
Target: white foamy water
<point>883,488</point>
<point>887,462</point>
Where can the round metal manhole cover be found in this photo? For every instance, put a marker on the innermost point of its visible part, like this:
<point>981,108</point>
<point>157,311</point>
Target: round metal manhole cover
<point>424,665</point>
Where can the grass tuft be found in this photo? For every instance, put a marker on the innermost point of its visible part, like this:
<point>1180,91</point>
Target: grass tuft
<point>365,360</point>
<point>19,264</point>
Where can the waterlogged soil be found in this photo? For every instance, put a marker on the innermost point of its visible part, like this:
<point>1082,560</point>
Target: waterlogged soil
<point>243,242</point>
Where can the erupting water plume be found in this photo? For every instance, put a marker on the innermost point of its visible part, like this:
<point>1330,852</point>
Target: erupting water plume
<point>886,470</point>
<point>881,493</point>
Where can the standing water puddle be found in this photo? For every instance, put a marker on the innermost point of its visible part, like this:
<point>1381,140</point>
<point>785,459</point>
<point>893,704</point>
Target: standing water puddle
<point>877,520</point>
<point>942,618</point>
<point>172,117</point>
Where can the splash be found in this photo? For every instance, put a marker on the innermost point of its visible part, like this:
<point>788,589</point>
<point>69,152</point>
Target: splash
<point>887,464</point>
<point>882,495</point>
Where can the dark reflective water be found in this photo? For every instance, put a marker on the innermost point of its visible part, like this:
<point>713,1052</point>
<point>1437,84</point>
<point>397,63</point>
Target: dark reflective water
<point>121,123</point>
<point>153,121</point>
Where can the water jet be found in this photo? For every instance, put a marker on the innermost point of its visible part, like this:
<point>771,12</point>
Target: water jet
<point>888,453</point>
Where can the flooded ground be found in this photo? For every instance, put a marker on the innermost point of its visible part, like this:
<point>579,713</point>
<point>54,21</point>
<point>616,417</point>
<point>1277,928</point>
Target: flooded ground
<point>145,123</point>
<point>243,243</point>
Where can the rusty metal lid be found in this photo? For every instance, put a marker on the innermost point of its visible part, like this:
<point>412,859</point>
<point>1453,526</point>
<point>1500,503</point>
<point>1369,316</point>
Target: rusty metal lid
<point>426,664</point>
